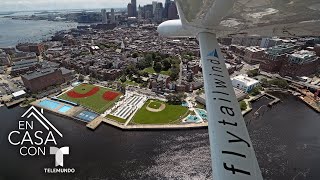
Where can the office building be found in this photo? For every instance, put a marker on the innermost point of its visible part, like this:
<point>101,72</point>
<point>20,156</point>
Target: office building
<point>104,16</point>
<point>113,17</point>
<point>158,12</point>
<point>130,10</point>
<point>134,7</point>
<point>172,11</point>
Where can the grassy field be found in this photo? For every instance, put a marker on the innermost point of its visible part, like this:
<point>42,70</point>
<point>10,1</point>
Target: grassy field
<point>94,102</point>
<point>150,70</point>
<point>154,105</point>
<point>170,114</point>
<point>120,120</point>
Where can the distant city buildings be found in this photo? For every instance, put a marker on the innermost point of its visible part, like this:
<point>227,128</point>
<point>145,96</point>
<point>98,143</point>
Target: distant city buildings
<point>172,11</point>
<point>113,17</point>
<point>104,16</point>
<point>155,12</point>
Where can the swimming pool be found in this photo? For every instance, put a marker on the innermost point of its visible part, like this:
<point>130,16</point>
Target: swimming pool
<point>87,116</point>
<point>65,109</point>
<point>185,104</point>
<point>192,118</point>
<point>49,104</point>
<point>202,113</point>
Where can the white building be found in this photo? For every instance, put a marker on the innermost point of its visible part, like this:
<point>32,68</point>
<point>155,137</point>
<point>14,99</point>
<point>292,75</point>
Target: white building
<point>244,83</point>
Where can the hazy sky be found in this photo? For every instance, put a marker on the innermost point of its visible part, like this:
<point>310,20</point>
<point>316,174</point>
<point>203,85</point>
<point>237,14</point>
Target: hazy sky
<point>14,5</point>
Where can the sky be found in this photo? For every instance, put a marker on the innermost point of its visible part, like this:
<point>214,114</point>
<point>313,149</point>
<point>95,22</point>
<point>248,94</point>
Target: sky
<point>22,5</point>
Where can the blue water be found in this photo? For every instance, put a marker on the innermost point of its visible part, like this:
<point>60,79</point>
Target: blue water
<point>87,116</point>
<point>202,113</point>
<point>49,104</point>
<point>13,32</point>
<point>65,109</point>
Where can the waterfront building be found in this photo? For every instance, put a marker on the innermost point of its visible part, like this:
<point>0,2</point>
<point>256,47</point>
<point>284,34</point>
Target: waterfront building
<point>274,57</point>
<point>270,42</point>
<point>301,63</point>
<point>23,66</point>
<point>244,83</point>
<point>4,58</point>
<point>104,16</point>
<point>42,79</point>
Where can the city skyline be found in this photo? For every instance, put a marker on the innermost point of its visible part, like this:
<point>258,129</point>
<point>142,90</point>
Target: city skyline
<point>30,5</point>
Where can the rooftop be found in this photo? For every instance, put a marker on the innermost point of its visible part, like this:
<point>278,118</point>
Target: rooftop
<point>245,79</point>
<point>39,73</point>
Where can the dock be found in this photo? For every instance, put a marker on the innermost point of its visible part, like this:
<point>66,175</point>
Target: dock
<point>311,102</point>
<point>16,102</point>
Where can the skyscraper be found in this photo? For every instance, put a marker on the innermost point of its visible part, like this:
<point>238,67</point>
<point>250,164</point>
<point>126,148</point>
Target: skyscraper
<point>130,10</point>
<point>104,16</point>
<point>113,18</point>
<point>166,8</point>
<point>158,12</point>
<point>154,4</point>
<point>172,11</point>
<point>134,7</point>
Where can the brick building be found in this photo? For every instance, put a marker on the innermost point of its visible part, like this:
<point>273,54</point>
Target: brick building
<point>42,79</point>
<point>274,57</point>
<point>301,63</point>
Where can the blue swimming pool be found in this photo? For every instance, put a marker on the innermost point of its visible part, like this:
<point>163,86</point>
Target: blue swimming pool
<point>48,104</point>
<point>87,116</point>
<point>65,109</point>
<point>192,118</point>
<point>202,113</point>
<point>185,104</point>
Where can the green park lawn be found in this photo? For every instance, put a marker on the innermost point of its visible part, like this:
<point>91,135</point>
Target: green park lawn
<point>95,102</point>
<point>120,120</point>
<point>150,70</point>
<point>171,114</point>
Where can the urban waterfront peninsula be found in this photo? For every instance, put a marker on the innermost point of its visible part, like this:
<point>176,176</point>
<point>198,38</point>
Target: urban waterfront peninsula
<point>121,72</point>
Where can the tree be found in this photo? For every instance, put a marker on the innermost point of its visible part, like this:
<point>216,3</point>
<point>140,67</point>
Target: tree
<point>81,78</point>
<point>157,67</point>
<point>135,55</point>
<point>243,105</point>
<point>123,79</point>
<point>174,75</point>
<point>253,73</point>
<point>255,91</point>
<point>166,64</point>
<point>280,83</point>
<point>175,99</point>
<point>264,82</point>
